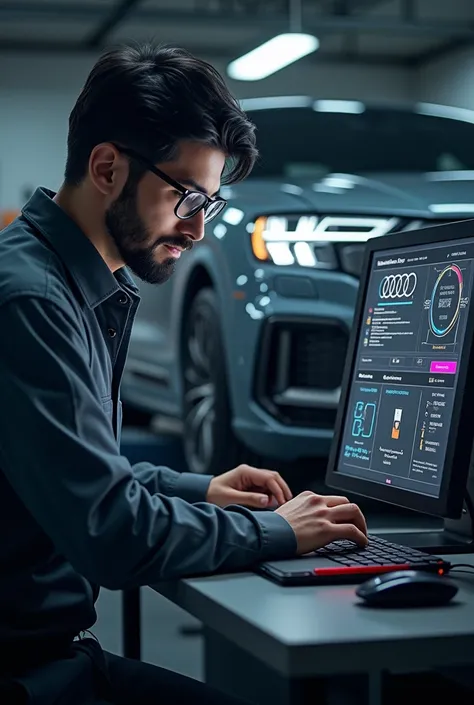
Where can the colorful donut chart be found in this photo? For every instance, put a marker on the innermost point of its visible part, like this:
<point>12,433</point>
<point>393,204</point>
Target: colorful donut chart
<point>438,331</point>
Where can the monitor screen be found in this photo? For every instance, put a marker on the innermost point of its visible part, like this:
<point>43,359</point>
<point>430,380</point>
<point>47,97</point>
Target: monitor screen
<point>407,362</point>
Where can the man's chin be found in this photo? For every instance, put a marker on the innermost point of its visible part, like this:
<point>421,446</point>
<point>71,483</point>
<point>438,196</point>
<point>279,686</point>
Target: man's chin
<point>153,273</point>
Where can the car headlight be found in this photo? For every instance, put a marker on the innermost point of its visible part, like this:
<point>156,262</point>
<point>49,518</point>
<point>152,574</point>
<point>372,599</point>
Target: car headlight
<point>314,241</point>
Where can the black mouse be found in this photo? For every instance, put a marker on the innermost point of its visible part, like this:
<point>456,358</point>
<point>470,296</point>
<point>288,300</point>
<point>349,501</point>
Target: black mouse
<point>407,588</point>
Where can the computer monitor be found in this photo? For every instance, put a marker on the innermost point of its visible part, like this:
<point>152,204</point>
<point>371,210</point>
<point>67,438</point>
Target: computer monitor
<point>405,425</point>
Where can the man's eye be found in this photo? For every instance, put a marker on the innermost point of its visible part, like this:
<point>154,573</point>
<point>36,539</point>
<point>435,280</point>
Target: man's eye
<point>178,194</point>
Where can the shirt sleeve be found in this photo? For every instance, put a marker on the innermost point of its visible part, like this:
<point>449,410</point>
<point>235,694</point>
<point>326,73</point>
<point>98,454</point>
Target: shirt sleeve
<point>59,453</point>
<point>160,480</point>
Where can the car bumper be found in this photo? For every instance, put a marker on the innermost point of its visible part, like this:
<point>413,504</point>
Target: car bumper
<point>289,360</point>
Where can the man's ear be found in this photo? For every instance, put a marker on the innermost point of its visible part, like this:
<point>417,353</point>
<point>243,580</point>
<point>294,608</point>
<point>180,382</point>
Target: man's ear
<point>108,169</point>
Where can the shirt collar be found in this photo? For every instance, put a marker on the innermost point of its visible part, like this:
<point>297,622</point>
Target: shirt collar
<point>88,269</point>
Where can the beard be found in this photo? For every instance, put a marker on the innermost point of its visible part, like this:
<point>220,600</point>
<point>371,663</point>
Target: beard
<point>132,239</point>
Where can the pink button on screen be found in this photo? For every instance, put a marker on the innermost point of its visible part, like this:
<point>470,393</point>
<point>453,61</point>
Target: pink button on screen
<point>446,367</point>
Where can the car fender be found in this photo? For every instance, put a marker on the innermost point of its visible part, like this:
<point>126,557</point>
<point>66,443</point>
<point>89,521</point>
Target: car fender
<point>211,262</point>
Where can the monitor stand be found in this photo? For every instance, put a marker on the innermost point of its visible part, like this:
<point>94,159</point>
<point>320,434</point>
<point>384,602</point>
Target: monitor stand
<point>457,535</point>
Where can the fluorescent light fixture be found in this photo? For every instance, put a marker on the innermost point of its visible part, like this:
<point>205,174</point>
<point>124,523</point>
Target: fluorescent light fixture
<point>272,56</point>
<point>445,111</point>
<point>452,208</point>
<point>281,101</point>
<point>339,106</point>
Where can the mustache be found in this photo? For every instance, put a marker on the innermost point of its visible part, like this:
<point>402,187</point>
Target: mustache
<point>182,243</point>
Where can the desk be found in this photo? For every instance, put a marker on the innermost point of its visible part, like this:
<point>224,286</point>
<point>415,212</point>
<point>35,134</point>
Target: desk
<point>268,643</point>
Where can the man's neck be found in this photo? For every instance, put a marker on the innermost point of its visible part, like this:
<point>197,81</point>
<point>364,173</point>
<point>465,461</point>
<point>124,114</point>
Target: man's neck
<point>88,217</point>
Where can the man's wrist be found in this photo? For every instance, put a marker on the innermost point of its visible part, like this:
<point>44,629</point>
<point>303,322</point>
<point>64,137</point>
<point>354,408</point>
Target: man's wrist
<point>193,488</point>
<point>278,537</point>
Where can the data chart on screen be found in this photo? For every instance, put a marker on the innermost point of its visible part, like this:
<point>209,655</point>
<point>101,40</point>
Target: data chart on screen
<point>407,366</point>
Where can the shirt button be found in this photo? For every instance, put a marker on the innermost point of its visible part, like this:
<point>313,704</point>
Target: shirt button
<point>112,332</point>
<point>122,299</point>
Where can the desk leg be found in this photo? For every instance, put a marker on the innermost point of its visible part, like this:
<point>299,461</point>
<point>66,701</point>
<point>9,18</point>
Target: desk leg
<point>131,624</point>
<point>235,671</point>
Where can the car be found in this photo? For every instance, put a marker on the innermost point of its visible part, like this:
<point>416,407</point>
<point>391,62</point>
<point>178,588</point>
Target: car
<point>245,345</point>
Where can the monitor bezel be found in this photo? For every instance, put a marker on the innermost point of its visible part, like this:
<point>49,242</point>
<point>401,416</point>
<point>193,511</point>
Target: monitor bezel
<point>449,504</point>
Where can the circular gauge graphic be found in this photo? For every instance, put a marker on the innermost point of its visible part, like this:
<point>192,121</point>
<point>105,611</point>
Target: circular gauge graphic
<point>446,301</point>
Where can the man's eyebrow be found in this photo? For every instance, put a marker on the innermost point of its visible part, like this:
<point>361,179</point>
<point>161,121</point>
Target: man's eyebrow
<point>196,186</point>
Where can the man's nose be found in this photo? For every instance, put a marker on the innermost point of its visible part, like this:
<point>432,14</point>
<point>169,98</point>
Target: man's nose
<point>193,227</point>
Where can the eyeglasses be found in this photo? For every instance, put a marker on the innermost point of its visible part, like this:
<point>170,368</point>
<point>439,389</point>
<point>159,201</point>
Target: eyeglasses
<point>191,202</point>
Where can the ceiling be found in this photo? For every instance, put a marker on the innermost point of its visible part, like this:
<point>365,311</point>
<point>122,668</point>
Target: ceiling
<point>388,32</point>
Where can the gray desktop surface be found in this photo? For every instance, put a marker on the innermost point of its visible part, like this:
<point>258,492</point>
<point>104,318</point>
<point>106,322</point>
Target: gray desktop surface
<point>311,631</point>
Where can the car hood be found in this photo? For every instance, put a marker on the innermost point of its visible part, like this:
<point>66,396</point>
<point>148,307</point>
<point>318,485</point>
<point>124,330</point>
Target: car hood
<point>432,196</point>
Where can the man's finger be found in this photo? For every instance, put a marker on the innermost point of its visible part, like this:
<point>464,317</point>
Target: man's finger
<point>349,532</point>
<point>273,486</point>
<point>286,490</point>
<point>335,501</point>
<point>345,513</point>
<point>264,478</point>
<point>251,499</point>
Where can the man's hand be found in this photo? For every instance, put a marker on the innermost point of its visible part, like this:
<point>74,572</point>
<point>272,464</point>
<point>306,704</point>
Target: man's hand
<point>249,486</point>
<point>318,520</point>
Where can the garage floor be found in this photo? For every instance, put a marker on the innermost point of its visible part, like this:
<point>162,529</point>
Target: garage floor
<point>162,641</point>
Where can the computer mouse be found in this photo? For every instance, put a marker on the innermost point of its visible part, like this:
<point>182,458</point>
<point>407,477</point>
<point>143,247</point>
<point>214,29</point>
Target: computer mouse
<point>407,588</point>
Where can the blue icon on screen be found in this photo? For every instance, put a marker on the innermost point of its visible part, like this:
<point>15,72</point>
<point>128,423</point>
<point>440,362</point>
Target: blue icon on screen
<point>363,419</point>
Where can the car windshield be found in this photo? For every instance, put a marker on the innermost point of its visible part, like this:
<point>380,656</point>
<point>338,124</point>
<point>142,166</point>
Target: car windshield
<point>301,142</point>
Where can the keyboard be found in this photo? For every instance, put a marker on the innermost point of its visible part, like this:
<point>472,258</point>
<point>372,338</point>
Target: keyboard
<point>379,553</point>
<point>345,562</point>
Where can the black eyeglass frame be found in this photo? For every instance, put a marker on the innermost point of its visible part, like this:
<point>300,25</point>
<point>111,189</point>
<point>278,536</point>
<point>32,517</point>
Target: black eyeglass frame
<point>175,184</point>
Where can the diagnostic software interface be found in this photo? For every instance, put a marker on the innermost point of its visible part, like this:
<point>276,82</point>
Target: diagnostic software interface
<point>407,366</point>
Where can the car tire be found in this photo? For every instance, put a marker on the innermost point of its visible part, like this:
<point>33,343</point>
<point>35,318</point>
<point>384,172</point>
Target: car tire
<point>210,446</point>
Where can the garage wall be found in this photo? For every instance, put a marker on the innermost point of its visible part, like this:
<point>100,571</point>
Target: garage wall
<point>37,93</point>
<point>448,80</point>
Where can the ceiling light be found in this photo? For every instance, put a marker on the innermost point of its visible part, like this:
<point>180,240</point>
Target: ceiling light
<point>272,56</point>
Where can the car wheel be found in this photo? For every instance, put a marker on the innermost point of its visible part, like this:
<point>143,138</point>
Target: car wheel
<point>209,443</point>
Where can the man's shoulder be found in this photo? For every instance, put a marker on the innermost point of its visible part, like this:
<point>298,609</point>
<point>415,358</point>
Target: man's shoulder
<point>28,266</point>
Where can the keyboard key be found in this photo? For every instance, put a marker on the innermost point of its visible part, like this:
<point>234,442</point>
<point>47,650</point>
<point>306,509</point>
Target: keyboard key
<point>379,552</point>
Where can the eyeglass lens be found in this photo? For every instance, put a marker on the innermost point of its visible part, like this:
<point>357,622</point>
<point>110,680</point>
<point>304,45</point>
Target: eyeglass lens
<point>193,203</point>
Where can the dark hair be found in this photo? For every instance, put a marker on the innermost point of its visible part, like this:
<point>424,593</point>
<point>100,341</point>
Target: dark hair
<point>148,98</point>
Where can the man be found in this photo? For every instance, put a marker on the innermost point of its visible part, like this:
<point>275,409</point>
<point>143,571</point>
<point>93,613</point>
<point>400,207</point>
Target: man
<point>150,137</point>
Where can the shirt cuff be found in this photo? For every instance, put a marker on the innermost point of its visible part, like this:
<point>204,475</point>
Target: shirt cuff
<point>192,488</point>
<point>278,538</point>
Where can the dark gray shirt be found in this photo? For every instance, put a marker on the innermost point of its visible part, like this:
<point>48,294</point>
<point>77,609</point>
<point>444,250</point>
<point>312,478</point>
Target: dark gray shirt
<point>74,514</point>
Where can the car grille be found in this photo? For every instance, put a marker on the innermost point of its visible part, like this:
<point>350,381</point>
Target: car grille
<point>300,371</point>
<point>317,357</point>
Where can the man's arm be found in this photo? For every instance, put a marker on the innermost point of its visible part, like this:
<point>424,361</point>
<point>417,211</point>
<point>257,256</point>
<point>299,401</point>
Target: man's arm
<point>161,480</point>
<point>58,451</point>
